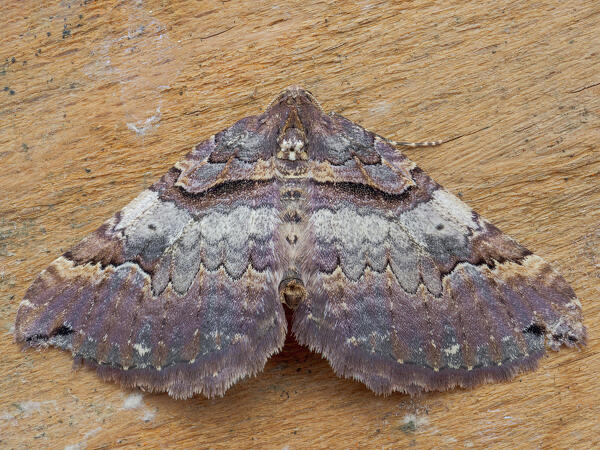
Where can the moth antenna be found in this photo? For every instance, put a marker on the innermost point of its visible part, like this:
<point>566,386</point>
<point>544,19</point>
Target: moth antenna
<point>434,143</point>
<point>417,144</point>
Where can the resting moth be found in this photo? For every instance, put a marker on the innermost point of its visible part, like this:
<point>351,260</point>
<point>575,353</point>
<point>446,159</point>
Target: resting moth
<point>397,282</point>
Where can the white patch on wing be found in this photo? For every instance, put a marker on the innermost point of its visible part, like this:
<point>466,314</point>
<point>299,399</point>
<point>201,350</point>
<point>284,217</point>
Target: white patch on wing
<point>141,349</point>
<point>451,206</point>
<point>452,350</point>
<point>427,219</point>
<point>27,304</point>
<point>143,202</point>
<point>156,230</point>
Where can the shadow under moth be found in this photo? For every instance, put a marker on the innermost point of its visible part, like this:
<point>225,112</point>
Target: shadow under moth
<point>393,279</point>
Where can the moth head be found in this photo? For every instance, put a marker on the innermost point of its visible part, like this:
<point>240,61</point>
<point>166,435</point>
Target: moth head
<point>295,96</point>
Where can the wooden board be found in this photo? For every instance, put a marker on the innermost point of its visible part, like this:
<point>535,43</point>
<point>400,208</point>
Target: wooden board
<point>97,99</point>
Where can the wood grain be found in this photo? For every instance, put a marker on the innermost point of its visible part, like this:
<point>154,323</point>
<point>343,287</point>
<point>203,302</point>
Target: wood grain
<point>97,99</point>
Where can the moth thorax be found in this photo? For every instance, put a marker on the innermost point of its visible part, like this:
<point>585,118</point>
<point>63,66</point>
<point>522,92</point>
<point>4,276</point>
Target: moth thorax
<point>292,145</point>
<point>291,290</point>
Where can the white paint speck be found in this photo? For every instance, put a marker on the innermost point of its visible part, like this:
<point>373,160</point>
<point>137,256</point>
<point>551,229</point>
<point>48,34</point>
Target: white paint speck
<point>6,416</point>
<point>133,401</point>
<point>148,415</point>
<point>382,108</point>
<point>27,408</point>
<point>136,401</point>
<point>141,127</point>
<point>83,443</point>
<point>418,421</point>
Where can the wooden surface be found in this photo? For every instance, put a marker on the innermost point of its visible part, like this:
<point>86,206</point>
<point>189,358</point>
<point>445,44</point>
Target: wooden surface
<point>97,99</point>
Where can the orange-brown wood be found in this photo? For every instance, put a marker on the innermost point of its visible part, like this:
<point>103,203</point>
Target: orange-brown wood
<point>97,99</point>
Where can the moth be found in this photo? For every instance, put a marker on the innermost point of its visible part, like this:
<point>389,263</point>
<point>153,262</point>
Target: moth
<point>393,279</point>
